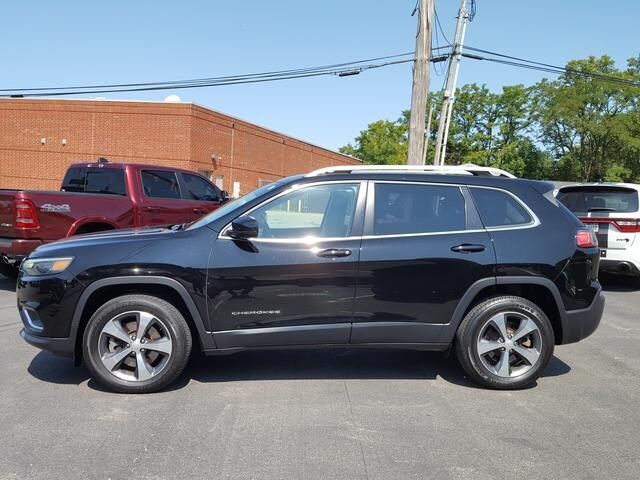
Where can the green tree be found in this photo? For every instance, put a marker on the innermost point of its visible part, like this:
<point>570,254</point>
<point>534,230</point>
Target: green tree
<point>383,142</point>
<point>588,123</point>
<point>578,127</point>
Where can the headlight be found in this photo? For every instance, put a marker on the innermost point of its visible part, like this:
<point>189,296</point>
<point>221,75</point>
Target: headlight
<point>45,266</point>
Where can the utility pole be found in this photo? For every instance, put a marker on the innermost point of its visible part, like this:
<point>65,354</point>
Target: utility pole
<point>420,86</point>
<point>450,88</point>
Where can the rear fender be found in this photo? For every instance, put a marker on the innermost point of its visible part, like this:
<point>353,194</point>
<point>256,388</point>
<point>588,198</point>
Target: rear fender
<point>75,226</point>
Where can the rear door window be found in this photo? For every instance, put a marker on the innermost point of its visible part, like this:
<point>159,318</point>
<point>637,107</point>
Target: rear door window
<point>160,184</point>
<point>105,180</point>
<point>197,188</point>
<point>405,208</point>
<point>599,199</point>
<point>499,209</point>
<point>108,181</point>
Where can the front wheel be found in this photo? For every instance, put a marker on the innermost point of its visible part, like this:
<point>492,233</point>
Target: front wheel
<point>505,343</point>
<point>136,344</point>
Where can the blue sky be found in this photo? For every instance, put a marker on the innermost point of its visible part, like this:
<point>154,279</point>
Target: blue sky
<point>81,42</point>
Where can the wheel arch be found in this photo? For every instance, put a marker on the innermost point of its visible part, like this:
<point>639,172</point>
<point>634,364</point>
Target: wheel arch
<point>101,291</point>
<point>90,224</point>
<point>541,291</point>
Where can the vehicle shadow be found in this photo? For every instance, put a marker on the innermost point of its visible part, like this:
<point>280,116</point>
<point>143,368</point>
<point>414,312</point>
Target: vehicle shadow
<point>56,369</point>
<point>351,364</point>
<point>618,283</point>
<point>7,284</point>
<point>304,364</point>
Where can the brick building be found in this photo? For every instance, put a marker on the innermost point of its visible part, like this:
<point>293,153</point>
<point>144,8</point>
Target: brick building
<point>40,138</point>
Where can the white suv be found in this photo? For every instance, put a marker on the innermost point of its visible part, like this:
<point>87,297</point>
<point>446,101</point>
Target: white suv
<point>612,210</point>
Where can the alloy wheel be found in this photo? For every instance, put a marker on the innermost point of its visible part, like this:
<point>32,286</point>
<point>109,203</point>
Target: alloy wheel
<point>509,344</point>
<point>135,346</point>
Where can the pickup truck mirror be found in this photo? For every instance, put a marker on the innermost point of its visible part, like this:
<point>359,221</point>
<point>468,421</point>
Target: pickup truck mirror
<point>224,196</point>
<point>244,227</point>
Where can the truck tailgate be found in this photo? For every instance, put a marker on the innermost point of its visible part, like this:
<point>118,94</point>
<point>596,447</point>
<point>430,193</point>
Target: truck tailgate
<point>7,213</point>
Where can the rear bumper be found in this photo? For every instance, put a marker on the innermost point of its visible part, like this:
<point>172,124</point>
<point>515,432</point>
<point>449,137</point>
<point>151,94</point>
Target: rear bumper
<point>619,266</point>
<point>579,324</point>
<point>57,346</point>
<point>17,248</point>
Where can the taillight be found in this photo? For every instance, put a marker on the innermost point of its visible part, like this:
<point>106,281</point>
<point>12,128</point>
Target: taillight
<point>627,226</point>
<point>26,216</point>
<point>586,239</point>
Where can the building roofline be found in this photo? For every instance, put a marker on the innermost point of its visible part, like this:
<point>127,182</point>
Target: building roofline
<point>161,102</point>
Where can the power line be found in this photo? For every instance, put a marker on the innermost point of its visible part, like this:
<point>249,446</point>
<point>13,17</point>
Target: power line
<point>472,10</point>
<point>208,79</point>
<point>439,25</point>
<point>545,67</point>
<point>339,69</point>
<point>437,40</point>
<point>217,83</point>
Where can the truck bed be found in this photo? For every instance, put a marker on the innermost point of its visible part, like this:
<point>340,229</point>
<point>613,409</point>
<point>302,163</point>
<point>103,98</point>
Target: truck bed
<point>58,212</point>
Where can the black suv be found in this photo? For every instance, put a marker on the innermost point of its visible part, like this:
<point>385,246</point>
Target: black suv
<point>493,267</point>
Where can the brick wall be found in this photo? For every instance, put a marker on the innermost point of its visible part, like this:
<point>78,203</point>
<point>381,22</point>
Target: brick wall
<point>40,138</point>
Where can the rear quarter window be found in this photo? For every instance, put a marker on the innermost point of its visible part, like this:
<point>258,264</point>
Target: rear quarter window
<point>74,180</point>
<point>499,209</point>
<point>109,181</point>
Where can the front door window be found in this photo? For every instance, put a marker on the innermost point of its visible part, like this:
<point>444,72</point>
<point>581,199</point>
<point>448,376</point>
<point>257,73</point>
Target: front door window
<point>319,211</point>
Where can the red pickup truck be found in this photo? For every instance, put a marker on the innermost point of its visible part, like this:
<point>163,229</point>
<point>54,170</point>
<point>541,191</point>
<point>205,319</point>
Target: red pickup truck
<point>101,196</point>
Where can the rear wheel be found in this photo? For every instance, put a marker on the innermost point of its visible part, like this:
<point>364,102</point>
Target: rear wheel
<point>505,342</point>
<point>136,344</point>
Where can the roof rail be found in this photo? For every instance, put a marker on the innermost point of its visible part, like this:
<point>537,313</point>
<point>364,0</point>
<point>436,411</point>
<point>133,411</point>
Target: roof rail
<point>467,169</point>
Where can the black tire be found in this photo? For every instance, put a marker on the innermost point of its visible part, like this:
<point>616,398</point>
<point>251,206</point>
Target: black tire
<point>472,326</point>
<point>9,271</point>
<point>175,324</point>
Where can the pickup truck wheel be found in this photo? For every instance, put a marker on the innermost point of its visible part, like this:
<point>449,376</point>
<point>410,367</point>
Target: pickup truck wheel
<point>505,343</point>
<point>8,271</point>
<point>136,344</point>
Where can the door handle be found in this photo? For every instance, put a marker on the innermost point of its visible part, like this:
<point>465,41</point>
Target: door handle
<point>199,210</point>
<point>468,248</point>
<point>151,209</point>
<point>334,253</point>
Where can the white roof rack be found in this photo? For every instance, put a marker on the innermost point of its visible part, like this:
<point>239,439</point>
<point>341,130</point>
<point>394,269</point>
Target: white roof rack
<point>467,169</point>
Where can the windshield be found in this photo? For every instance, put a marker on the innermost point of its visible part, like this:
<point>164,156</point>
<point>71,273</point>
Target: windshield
<point>236,204</point>
<point>599,199</point>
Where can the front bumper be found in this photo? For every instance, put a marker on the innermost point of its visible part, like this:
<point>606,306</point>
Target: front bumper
<point>57,346</point>
<point>17,248</point>
<point>46,305</point>
<point>579,324</point>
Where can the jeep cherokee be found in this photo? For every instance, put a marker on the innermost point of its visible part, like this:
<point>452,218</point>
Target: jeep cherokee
<point>421,258</point>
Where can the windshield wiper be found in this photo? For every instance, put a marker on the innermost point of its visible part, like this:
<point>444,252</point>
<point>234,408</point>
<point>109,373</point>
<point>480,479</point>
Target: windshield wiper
<point>601,209</point>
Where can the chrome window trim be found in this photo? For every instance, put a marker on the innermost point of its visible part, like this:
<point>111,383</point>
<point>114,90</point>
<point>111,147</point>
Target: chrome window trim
<point>535,221</point>
<point>363,190</point>
<point>304,240</point>
<point>424,234</point>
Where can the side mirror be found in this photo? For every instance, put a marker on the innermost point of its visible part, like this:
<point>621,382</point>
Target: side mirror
<point>243,227</point>
<point>224,196</point>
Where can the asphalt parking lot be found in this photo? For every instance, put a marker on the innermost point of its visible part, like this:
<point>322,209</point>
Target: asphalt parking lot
<point>329,414</point>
